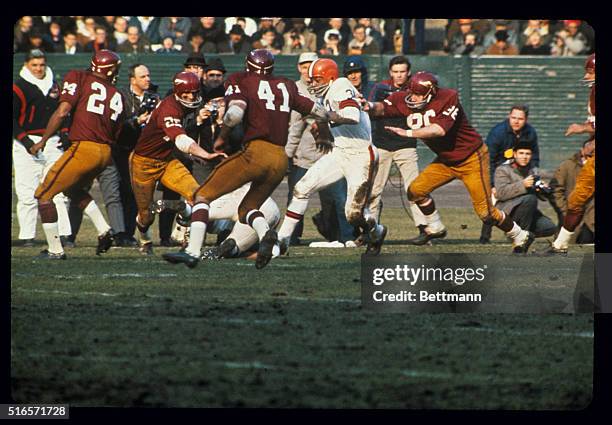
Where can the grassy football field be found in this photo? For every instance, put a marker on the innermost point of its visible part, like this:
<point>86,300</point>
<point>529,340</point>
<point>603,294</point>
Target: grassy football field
<point>125,330</point>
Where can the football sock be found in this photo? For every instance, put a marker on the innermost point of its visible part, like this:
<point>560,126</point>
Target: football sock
<point>258,222</point>
<point>199,220</point>
<point>144,236</point>
<point>53,238</point>
<point>295,212</point>
<point>517,234</point>
<point>94,213</point>
<point>63,220</point>
<point>562,241</point>
<point>434,222</point>
<point>244,235</point>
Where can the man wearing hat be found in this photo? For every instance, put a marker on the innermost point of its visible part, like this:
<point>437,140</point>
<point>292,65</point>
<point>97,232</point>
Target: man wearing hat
<point>299,38</point>
<point>518,189</point>
<point>239,42</point>
<point>356,71</point>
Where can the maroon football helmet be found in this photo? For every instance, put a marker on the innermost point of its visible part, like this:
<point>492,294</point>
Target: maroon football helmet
<point>107,63</point>
<point>589,69</point>
<point>187,82</point>
<point>260,61</point>
<point>422,83</point>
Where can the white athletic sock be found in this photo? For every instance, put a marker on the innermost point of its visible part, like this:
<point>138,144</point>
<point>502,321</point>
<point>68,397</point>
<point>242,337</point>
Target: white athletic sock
<point>517,234</point>
<point>562,241</point>
<point>261,226</point>
<point>297,206</point>
<point>197,232</point>
<point>434,222</point>
<point>94,213</point>
<point>53,238</point>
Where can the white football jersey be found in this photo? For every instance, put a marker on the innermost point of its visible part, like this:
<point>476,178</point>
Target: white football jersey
<point>342,94</point>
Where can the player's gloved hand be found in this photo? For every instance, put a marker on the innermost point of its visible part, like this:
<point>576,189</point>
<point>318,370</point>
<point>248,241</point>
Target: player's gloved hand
<point>64,143</point>
<point>37,147</point>
<point>314,130</point>
<point>324,145</point>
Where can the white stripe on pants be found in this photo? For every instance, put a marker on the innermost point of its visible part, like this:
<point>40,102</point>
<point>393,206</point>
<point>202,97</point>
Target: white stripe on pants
<point>407,162</point>
<point>29,173</point>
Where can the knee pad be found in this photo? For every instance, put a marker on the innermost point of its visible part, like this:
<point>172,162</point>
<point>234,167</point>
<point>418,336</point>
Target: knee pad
<point>412,197</point>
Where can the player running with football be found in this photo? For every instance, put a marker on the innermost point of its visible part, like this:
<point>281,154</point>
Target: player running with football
<point>435,115</point>
<point>265,102</point>
<point>97,113</point>
<point>585,182</point>
<point>353,157</point>
<point>152,159</point>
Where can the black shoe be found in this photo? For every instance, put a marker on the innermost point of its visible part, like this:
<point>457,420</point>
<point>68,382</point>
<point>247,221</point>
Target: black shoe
<point>223,234</point>
<point>552,251</point>
<point>524,247</point>
<point>484,240</point>
<point>210,254</point>
<point>46,255</point>
<point>181,257</point>
<point>29,243</point>
<point>264,253</point>
<point>67,242</point>
<point>425,237</point>
<point>146,248</point>
<point>169,242</point>
<point>105,242</point>
<point>123,240</point>
<point>374,247</point>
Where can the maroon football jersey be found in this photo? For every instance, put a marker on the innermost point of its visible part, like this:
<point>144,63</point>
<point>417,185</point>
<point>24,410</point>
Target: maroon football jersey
<point>270,100</point>
<point>97,107</point>
<point>460,140</point>
<point>157,137</point>
<point>591,107</point>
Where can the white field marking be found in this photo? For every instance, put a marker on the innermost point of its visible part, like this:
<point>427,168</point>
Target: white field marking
<point>54,291</point>
<point>249,322</point>
<point>331,300</point>
<point>455,377</point>
<point>64,357</point>
<point>251,264</point>
<point>104,276</point>
<point>585,334</point>
<point>246,365</point>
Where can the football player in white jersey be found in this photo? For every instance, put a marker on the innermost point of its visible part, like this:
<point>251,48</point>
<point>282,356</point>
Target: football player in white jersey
<point>353,157</point>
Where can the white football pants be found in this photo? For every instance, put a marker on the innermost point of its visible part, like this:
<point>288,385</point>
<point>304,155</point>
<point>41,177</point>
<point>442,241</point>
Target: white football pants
<point>29,173</point>
<point>358,166</point>
<point>226,207</point>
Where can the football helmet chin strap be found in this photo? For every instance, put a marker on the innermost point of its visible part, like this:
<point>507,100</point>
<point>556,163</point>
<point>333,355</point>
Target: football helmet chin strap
<point>191,105</point>
<point>320,90</point>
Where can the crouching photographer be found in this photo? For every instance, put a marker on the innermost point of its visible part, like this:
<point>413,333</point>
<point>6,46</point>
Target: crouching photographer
<point>518,190</point>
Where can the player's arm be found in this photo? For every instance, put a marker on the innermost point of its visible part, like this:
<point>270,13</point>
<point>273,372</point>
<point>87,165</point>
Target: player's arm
<point>388,108</point>
<point>54,124</point>
<point>233,116</point>
<point>430,132</point>
<point>585,127</point>
<point>19,107</point>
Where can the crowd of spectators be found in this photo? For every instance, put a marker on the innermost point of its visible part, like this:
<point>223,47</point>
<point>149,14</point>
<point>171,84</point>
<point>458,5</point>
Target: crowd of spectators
<point>293,36</point>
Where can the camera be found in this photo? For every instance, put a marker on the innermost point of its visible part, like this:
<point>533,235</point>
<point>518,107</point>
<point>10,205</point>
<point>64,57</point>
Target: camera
<point>149,102</point>
<point>540,187</point>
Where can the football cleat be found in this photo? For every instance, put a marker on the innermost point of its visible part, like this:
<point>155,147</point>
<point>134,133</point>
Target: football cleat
<point>425,237</point>
<point>46,255</point>
<point>552,251</point>
<point>264,254</point>
<point>524,247</point>
<point>105,242</point>
<point>283,245</point>
<point>146,248</point>
<point>211,254</point>
<point>374,247</point>
<point>181,257</point>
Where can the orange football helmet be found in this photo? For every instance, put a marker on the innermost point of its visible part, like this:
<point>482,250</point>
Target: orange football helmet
<point>322,73</point>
